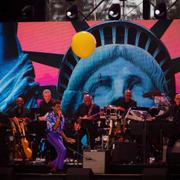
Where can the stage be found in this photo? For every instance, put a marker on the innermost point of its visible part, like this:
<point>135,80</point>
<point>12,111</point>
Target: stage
<point>32,170</point>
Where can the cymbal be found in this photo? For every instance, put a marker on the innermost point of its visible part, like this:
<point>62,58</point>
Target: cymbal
<point>152,93</point>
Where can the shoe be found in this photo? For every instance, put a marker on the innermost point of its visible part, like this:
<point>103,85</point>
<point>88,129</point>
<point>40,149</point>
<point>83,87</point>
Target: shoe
<point>67,160</point>
<point>53,170</point>
<point>71,160</point>
<point>50,164</point>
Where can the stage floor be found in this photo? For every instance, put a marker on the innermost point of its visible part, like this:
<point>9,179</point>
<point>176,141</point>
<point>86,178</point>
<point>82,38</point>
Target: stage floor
<point>33,170</point>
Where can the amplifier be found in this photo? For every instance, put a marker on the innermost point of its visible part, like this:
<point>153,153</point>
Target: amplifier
<point>173,154</point>
<point>96,160</point>
<point>124,152</point>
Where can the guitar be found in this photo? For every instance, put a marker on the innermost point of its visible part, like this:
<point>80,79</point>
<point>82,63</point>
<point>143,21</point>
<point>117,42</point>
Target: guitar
<point>43,118</point>
<point>24,144</point>
<point>77,124</point>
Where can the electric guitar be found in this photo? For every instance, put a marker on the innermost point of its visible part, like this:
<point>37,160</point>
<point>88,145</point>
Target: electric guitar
<point>77,124</point>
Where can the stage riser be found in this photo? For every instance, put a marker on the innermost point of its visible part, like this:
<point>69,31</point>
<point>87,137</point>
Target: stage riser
<point>96,177</point>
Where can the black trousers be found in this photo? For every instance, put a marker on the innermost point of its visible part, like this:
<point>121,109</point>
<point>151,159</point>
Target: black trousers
<point>90,129</point>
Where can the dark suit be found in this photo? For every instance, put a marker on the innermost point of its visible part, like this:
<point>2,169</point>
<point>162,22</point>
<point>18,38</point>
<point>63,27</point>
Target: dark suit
<point>88,127</point>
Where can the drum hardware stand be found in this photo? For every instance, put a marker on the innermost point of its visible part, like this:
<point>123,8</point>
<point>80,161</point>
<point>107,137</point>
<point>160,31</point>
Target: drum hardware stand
<point>144,140</point>
<point>164,149</point>
<point>74,153</point>
<point>106,146</point>
<point>144,133</point>
<point>125,117</point>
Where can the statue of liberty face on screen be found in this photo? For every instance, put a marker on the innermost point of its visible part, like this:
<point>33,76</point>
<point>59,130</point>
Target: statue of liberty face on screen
<point>109,72</point>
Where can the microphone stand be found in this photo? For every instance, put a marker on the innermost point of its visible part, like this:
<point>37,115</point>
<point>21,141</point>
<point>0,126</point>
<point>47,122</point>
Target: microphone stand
<point>82,156</point>
<point>125,117</point>
<point>144,141</point>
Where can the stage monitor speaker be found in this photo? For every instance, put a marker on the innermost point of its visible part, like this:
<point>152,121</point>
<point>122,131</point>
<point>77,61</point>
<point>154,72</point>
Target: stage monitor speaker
<point>124,152</point>
<point>96,160</point>
<point>173,154</point>
<point>4,139</point>
<point>155,173</point>
<point>79,173</point>
<point>6,173</point>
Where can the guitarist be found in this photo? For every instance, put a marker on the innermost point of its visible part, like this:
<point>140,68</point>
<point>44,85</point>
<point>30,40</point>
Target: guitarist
<point>19,113</point>
<point>86,115</point>
<point>19,116</point>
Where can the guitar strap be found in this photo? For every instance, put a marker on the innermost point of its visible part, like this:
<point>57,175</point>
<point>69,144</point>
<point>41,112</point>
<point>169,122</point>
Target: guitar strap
<point>90,110</point>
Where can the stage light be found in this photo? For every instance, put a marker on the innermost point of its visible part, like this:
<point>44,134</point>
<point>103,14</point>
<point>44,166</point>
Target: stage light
<point>28,12</point>
<point>157,12</point>
<point>160,11</point>
<point>72,12</point>
<point>114,12</point>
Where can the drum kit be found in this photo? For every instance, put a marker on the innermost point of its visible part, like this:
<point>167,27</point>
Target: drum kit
<point>109,125</point>
<point>113,125</point>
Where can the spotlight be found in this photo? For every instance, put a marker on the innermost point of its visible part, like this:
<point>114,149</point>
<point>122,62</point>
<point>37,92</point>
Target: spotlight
<point>28,12</point>
<point>72,12</point>
<point>114,12</point>
<point>160,11</point>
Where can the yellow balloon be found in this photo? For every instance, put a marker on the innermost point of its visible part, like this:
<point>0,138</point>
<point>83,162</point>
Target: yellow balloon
<point>83,44</point>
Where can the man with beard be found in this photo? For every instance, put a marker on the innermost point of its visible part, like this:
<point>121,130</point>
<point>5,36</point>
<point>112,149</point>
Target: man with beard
<point>19,117</point>
<point>175,113</point>
<point>86,115</point>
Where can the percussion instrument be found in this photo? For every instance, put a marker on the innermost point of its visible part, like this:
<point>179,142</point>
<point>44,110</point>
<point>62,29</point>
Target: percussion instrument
<point>139,115</point>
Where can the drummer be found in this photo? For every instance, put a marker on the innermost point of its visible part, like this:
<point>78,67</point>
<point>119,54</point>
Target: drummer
<point>124,103</point>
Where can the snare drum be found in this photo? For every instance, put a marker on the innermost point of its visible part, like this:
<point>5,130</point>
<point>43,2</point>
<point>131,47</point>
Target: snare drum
<point>105,138</point>
<point>105,142</point>
<point>112,112</point>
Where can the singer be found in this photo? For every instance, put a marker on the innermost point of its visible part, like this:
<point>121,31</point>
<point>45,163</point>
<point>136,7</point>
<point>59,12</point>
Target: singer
<point>55,136</point>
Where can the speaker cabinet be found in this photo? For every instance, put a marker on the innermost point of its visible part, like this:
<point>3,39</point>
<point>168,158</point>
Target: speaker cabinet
<point>173,154</point>
<point>6,173</point>
<point>79,173</point>
<point>124,152</point>
<point>96,160</point>
<point>155,173</point>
